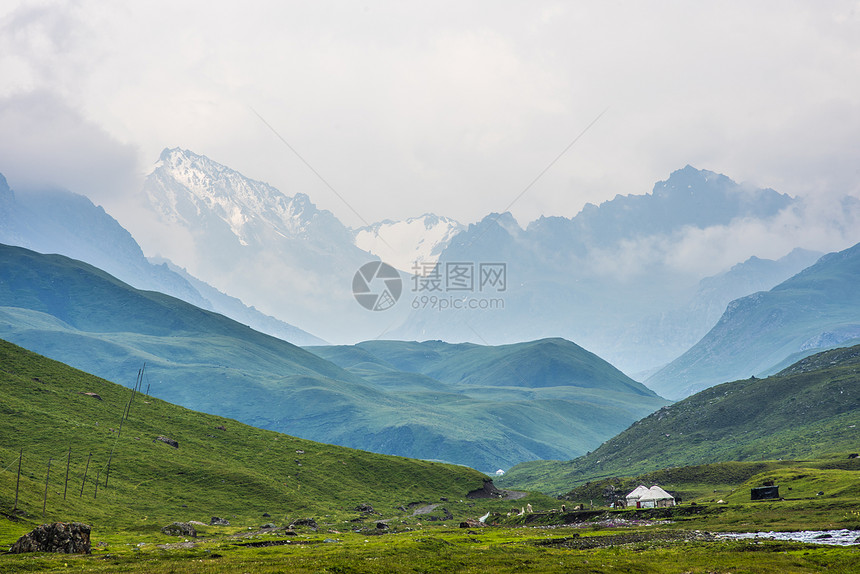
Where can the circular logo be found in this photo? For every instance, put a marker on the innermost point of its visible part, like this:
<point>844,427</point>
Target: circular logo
<point>377,286</point>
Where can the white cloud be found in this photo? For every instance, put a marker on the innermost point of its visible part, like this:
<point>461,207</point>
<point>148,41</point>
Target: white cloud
<point>47,143</point>
<point>410,107</point>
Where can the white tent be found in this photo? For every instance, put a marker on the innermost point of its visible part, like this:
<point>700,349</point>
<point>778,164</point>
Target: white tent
<point>637,493</point>
<point>643,497</point>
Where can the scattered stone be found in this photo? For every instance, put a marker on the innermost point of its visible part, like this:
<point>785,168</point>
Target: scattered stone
<point>93,395</point>
<point>65,537</point>
<point>824,536</point>
<point>166,440</point>
<point>329,540</point>
<point>366,508</point>
<point>269,526</point>
<point>488,490</point>
<point>300,452</point>
<point>266,515</point>
<point>290,533</point>
<point>820,493</point>
<point>197,523</point>
<point>180,529</point>
<point>444,499</point>
<point>221,427</point>
<point>219,521</point>
<point>309,522</point>
<point>381,526</point>
<point>469,523</point>
<point>853,455</point>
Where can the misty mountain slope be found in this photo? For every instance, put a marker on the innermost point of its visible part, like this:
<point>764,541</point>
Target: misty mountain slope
<point>276,252</point>
<point>605,278</point>
<point>235,309</point>
<point>816,309</point>
<point>689,323</point>
<point>808,410</point>
<point>73,312</point>
<point>59,221</point>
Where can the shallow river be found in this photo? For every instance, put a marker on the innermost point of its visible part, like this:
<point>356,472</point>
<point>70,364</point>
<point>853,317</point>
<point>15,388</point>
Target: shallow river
<point>840,537</point>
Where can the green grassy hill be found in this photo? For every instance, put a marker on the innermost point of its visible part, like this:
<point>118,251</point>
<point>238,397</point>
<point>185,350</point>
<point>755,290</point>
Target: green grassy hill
<point>817,309</point>
<point>548,395</point>
<point>496,407</point>
<point>221,467</point>
<point>808,410</point>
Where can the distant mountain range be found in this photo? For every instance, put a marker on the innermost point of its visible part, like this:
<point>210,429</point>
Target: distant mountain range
<point>486,407</point>
<point>604,278</point>
<point>816,309</point>
<point>809,409</point>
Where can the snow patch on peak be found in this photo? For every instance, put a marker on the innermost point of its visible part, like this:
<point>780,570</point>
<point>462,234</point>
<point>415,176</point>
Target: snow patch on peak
<point>184,186</point>
<point>408,244</point>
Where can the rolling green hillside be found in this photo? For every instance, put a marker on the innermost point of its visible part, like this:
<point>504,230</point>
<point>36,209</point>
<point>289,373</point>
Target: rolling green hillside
<point>220,468</point>
<point>546,399</point>
<point>807,410</point>
<point>817,309</point>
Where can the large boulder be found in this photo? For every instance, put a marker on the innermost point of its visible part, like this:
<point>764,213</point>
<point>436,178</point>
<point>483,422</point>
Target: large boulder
<point>167,440</point>
<point>65,537</point>
<point>180,529</point>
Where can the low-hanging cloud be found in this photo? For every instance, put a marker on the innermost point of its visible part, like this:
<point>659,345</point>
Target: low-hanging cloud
<point>47,143</point>
<point>817,222</point>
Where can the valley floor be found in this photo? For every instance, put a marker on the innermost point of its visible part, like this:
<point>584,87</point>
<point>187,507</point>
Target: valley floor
<point>665,540</point>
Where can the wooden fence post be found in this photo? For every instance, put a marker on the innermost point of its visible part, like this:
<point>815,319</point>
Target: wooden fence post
<point>68,464</point>
<point>84,481</point>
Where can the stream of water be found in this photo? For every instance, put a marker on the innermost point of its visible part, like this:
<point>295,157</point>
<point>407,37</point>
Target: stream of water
<point>837,537</point>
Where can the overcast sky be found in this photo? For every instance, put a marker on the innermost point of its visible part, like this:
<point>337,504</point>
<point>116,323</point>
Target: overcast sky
<point>445,107</point>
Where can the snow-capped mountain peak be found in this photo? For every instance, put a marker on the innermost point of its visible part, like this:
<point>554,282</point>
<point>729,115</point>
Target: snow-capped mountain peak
<point>184,186</point>
<point>403,244</point>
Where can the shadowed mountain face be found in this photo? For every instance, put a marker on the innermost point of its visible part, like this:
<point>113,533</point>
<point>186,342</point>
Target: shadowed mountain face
<point>816,309</point>
<point>486,407</point>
